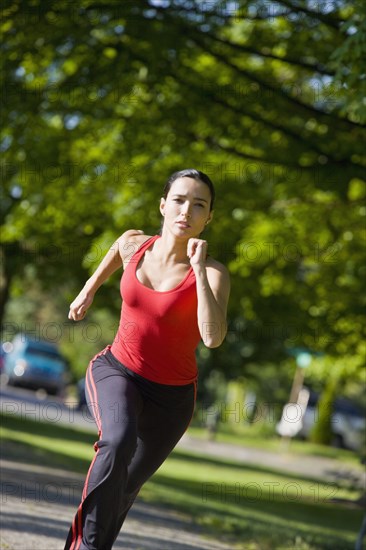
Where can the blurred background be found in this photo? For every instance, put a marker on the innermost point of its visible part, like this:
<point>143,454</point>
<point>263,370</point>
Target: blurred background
<point>104,100</point>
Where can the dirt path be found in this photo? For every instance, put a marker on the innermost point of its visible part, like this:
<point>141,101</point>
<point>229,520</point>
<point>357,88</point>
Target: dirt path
<point>38,504</point>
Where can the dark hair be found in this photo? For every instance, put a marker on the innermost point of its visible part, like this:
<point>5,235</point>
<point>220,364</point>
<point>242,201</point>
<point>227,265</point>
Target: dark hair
<point>194,174</point>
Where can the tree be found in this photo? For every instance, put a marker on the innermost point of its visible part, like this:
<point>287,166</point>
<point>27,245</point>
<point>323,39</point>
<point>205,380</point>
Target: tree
<point>104,99</point>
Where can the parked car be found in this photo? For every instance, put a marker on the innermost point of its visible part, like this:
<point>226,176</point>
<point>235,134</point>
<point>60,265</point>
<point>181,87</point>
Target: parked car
<point>36,364</point>
<point>348,422</point>
<point>80,388</point>
<point>2,357</point>
<point>82,405</point>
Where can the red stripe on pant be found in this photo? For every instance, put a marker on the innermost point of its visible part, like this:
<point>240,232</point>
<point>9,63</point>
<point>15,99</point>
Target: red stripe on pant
<point>77,526</point>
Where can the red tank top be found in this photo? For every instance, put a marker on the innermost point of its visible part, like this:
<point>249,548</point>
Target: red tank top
<point>158,331</point>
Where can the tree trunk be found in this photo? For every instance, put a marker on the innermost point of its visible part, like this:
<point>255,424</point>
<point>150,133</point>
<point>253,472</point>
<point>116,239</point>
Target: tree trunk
<point>9,264</point>
<point>322,429</point>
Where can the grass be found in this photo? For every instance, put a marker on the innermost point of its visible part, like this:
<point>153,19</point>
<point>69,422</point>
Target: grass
<point>255,508</point>
<point>260,437</point>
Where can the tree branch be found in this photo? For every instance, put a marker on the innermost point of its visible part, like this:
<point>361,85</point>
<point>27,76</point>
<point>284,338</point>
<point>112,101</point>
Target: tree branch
<point>333,22</point>
<point>241,111</point>
<point>279,92</point>
<point>357,170</point>
<point>233,14</point>
<point>317,67</point>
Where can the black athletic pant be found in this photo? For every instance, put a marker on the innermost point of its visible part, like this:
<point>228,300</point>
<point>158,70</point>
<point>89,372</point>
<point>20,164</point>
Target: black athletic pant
<point>139,424</point>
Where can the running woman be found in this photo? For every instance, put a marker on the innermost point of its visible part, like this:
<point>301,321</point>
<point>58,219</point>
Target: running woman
<point>141,389</point>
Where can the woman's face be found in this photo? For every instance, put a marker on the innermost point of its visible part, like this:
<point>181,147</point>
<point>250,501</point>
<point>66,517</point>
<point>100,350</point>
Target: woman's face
<point>186,209</point>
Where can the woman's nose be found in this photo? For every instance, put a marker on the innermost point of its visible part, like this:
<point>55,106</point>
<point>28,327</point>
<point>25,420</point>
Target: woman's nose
<point>186,210</point>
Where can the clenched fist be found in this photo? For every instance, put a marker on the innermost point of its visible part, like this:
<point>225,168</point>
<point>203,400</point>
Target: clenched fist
<point>197,251</point>
<point>80,305</point>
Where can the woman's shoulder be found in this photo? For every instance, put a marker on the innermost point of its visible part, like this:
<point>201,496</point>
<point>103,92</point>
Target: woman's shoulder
<point>130,241</point>
<point>135,235</point>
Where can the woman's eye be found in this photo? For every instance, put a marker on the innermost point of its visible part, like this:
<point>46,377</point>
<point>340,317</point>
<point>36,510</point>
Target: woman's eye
<point>200,205</point>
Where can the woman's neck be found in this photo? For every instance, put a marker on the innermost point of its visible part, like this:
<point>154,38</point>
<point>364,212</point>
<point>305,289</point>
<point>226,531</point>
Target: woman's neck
<point>170,249</point>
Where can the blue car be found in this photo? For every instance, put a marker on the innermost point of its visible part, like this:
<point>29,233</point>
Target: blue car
<point>36,364</point>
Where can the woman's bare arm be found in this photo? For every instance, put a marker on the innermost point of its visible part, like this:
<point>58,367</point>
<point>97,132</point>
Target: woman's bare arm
<point>113,260</point>
<point>213,289</point>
